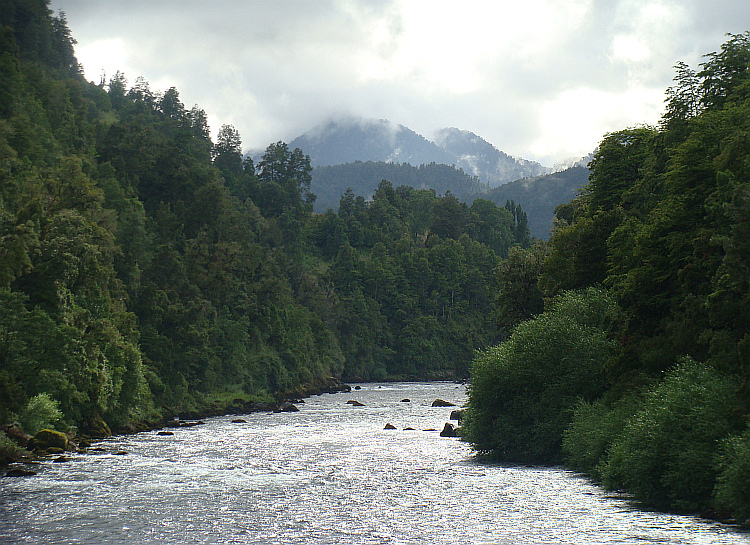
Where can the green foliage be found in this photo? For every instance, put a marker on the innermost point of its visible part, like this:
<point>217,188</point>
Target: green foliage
<point>412,272</point>
<point>41,412</point>
<point>540,196</point>
<point>523,392</point>
<point>593,429</point>
<point>731,494</point>
<point>329,182</point>
<point>665,454</point>
<point>9,450</point>
<point>519,296</point>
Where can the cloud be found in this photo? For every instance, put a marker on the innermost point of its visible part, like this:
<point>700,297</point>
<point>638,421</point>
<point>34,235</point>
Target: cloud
<point>541,79</point>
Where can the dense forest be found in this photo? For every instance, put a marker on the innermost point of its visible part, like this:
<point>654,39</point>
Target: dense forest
<point>540,195</point>
<point>630,346</point>
<point>330,182</point>
<point>147,270</point>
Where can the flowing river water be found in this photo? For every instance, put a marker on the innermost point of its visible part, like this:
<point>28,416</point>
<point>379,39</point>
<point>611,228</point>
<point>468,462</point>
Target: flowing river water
<point>328,474</point>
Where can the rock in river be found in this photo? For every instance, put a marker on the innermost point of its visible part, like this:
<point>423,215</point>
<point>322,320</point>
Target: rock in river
<point>389,426</point>
<point>286,407</point>
<point>45,439</point>
<point>442,403</point>
<point>448,430</point>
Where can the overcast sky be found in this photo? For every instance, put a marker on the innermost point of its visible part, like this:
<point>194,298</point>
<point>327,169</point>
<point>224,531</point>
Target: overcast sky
<point>539,79</point>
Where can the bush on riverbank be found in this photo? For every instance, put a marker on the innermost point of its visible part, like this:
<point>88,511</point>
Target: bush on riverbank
<point>666,453</point>
<point>732,492</point>
<point>40,412</point>
<point>523,392</point>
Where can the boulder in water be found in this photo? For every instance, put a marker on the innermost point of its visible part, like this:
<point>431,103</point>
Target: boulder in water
<point>355,403</point>
<point>448,430</point>
<point>286,407</point>
<point>389,426</point>
<point>442,403</point>
<point>406,400</point>
<point>45,439</point>
<point>457,415</point>
<point>239,421</point>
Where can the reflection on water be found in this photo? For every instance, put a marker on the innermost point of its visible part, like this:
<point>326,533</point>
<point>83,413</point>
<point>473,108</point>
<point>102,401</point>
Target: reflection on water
<point>327,474</point>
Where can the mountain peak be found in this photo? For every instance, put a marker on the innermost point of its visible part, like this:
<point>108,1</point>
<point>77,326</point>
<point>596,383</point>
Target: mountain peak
<point>348,139</point>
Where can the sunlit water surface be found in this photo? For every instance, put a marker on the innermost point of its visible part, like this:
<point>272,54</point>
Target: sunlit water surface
<point>327,474</point>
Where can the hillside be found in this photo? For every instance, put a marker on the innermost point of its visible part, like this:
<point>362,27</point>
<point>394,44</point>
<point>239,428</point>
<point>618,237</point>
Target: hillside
<point>147,271</point>
<point>330,182</point>
<point>541,195</point>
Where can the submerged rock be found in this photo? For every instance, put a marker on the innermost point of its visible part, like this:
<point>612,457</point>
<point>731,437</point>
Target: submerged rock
<point>165,433</point>
<point>20,472</point>
<point>61,459</point>
<point>442,403</point>
<point>354,403</point>
<point>406,400</point>
<point>239,421</point>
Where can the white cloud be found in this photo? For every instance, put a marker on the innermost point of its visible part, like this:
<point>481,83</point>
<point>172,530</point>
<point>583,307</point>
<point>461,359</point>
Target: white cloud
<point>516,73</point>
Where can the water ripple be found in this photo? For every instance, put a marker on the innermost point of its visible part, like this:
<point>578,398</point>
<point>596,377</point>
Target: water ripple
<point>328,474</point>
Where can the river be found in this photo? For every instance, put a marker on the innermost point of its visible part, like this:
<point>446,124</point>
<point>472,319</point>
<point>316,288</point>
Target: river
<point>328,474</point>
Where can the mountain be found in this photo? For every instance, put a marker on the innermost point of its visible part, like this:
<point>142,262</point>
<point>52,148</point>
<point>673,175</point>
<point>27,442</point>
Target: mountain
<point>350,139</point>
<point>540,196</point>
<point>481,159</point>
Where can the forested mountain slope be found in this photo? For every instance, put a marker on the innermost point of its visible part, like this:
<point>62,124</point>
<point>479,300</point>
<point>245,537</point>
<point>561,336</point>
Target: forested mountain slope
<point>330,182</point>
<point>540,196</point>
<point>146,270</point>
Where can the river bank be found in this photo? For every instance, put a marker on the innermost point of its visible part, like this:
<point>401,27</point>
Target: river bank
<point>27,450</point>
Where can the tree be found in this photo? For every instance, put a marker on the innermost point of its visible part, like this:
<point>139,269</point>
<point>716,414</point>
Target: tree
<point>227,152</point>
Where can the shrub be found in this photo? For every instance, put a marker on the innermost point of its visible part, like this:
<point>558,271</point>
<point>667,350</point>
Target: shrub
<point>594,427</point>
<point>523,392</point>
<point>665,455</point>
<point>40,412</point>
<point>732,492</point>
<point>9,450</point>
